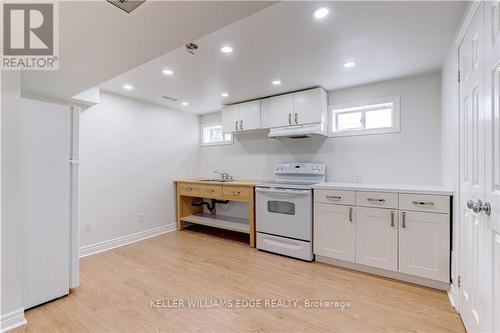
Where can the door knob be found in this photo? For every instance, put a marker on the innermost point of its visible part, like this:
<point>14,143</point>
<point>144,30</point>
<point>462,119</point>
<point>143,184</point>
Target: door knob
<point>486,207</point>
<point>474,206</point>
<point>479,206</point>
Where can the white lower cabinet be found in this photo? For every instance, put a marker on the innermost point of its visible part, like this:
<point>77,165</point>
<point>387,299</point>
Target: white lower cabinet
<point>335,231</point>
<point>377,238</point>
<point>424,245</point>
<point>411,238</point>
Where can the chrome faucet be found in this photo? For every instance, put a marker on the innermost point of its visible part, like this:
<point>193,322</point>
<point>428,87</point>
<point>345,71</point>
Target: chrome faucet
<point>224,175</point>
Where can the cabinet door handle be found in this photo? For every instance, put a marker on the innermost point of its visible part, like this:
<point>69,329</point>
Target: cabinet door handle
<point>241,125</point>
<point>334,197</point>
<point>423,203</point>
<point>350,214</point>
<point>403,222</point>
<point>290,118</point>
<point>210,190</point>
<point>189,188</point>
<point>236,124</point>
<point>392,219</point>
<point>375,200</point>
<point>296,118</point>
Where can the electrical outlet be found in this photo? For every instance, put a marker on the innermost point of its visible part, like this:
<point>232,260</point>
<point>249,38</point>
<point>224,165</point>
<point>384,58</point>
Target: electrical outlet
<point>88,226</point>
<point>140,217</point>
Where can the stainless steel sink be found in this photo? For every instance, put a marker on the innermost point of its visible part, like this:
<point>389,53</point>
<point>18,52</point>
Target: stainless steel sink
<point>217,180</point>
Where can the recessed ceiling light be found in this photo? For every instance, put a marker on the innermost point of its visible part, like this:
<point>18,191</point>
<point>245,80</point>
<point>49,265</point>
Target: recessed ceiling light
<point>276,82</point>
<point>224,94</point>
<point>349,64</point>
<point>128,87</point>
<point>168,72</point>
<point>321,12</point>
<point>226,49</point>
<point>185,103</point>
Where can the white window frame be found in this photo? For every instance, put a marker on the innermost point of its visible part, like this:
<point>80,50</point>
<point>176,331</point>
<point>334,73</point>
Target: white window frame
<point>222,143</point>
<point>396,117</point>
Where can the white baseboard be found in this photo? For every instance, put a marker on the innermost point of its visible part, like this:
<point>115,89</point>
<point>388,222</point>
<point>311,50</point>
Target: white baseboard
<point>124,240</point>
<point>12,320</point>
<point>452,298</point>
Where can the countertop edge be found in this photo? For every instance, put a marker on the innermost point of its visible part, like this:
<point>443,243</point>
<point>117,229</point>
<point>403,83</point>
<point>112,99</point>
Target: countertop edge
<point>406,189</point>
<point>249,183</point>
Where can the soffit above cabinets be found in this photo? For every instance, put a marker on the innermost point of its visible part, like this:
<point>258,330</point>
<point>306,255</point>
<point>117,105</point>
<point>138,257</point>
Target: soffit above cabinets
<point>284,42</point>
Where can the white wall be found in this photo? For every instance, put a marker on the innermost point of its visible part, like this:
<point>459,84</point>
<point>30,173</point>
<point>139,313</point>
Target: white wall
<point>410,157</point>
<point>11,302</point>
<point>130,153</point>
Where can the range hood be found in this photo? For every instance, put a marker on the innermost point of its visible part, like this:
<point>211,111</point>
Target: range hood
<point>298,131</point>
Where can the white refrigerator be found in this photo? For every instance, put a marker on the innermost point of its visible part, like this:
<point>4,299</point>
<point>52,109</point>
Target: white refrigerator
<point>49,199</point>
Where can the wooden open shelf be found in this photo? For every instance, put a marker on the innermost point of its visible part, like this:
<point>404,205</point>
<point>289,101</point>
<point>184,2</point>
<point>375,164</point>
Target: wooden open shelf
<point>220,221</point>
<point>189,192</point>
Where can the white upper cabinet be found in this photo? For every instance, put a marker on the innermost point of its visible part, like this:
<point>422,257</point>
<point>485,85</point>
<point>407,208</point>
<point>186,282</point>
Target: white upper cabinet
<point>230,118</point>
<point>249,116</point>
<point>304,107</point>
<point>300,108</point>
<point>241,117</point>
<point>280,111</point>
<point>309,106</point>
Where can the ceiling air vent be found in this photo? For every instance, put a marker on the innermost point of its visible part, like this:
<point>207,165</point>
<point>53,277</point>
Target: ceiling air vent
<point>170,98</point>
<point>126,5</point>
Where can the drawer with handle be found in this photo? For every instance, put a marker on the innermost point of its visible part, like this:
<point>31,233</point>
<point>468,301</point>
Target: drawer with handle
<point>425,203</point>
<point>211,191</point>
<point>189,189</point>
<point>377,199</point>
<point>335,197</point>
<point>236,192</point>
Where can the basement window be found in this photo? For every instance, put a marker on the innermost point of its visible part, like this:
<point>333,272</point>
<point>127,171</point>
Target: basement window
<point>212,135</point>
<point>377,116</point>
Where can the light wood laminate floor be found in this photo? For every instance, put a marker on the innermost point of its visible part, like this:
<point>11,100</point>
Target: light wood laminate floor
<point>117,288</point>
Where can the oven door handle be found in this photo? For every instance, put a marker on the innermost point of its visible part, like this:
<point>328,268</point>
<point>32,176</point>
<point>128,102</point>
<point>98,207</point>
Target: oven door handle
<point>282,191</point>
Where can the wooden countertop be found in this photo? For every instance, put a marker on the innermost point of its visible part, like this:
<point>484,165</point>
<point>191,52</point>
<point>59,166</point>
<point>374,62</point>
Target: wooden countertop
<point>237,182</point>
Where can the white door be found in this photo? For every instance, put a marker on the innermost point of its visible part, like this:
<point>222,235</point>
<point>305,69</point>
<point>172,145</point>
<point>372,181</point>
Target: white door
<point>335,231</point>
<point>492,141</point>
<point>377,238</point>
<point>475,233</point>
<point>424,246</point>
<point>250,115</point>
<point>309,106</point>
<point>45,168</point>
<point>496,286</point>
<point>230,118</point>
<point>492,114</point>
<point>280,111</point>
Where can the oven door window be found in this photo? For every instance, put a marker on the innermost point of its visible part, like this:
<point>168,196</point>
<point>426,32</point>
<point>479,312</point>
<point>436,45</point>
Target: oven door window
<point>281,207</point>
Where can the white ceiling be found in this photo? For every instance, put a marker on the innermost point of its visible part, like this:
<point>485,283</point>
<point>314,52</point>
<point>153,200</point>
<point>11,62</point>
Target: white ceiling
<point>98,41</point>
<point>385,39</point>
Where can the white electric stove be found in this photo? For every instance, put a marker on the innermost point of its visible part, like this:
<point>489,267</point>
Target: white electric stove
<point>284,214</point>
